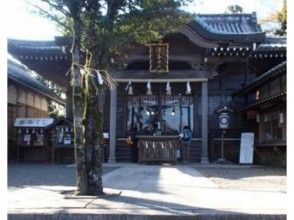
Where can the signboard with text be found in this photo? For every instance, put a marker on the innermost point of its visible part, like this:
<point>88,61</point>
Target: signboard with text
<point>158,58</point>
<point>33,122</point>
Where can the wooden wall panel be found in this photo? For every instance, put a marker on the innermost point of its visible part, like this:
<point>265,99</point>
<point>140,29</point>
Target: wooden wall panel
<point>38,103</point>
<point>22,111</point>
<point>31,113</point>
<point>22,97</point>
<point>12,94</point>
<point>283,82</point>
<point>30,99</point>
<point>275,86</point>
<point>44,105</point>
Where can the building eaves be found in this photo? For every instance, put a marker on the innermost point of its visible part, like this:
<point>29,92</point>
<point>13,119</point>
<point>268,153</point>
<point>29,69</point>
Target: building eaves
<point>18,74</point>
<point>230,27</point>
<point>269,99</point>
<point>274,72</point>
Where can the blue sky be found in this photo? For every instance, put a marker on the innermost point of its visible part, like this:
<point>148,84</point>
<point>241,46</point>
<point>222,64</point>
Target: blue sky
<point>25,25</point>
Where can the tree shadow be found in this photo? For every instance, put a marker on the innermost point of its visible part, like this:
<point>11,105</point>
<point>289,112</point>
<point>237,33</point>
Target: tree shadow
<point>22,175</point>
<point>138,206</point>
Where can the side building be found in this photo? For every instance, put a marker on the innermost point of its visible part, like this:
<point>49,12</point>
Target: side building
<point>265,102</point>
<point>27,98</point>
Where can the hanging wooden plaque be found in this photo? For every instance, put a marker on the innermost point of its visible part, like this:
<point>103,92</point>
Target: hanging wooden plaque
<point>158,58</point>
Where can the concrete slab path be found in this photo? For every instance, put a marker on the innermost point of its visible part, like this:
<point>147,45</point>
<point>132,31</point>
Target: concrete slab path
<point>148,190</point>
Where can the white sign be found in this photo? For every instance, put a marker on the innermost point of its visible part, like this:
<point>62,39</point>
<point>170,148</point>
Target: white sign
<point>224,120</point>
<point>246,148</point>
<point>33,122</point>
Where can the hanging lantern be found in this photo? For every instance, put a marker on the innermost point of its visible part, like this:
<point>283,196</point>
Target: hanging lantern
<point>254,46</point>
<point>27,130</point>
<point>188,88</point>
<point>149,91</point>
<point>41,130</point>
<point>168,89</point>
<point>19,130</point>
<point>33,131</point>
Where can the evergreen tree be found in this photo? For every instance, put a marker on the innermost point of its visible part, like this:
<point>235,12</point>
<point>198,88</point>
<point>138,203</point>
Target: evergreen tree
<point>101,28</point>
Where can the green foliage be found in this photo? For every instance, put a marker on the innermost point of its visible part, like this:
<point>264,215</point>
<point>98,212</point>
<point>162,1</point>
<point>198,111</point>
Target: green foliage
<point>234,9</point>
<point>144,27</point>
<point>117,24</point>
<point>282,19</point>
<point>103,27</point>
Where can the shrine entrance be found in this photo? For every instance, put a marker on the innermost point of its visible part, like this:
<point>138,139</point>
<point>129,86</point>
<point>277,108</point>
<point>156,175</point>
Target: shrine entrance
<point>158,114</point>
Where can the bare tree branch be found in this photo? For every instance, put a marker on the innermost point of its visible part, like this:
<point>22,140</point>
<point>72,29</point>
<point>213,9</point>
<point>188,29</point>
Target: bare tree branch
<point>49,15</point>
<point>57,5</point>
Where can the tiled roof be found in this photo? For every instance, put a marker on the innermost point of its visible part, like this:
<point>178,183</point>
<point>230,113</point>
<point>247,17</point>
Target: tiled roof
<point>229,23</point>
<point>18,73</point>
<point>275,71</point>
<point>36,47</point>
<point>240,27</point>
<point>273,43</point>
<point>266,100</point>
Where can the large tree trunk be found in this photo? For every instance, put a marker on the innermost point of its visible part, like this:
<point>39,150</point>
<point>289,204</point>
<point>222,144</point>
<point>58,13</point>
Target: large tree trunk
<point>78,103</point>
<point>94,95</point>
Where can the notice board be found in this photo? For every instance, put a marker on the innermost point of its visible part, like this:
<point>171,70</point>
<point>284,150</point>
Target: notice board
<point>246,148</point>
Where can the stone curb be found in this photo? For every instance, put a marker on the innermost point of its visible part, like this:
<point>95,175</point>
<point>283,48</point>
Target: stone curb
<point>80,216</point>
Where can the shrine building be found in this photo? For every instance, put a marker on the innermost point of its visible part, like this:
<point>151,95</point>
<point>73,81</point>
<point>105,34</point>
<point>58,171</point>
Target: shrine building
<point>214,61</point>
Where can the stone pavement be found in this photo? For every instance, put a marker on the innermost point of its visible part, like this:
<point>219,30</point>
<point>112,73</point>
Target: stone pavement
<point>147,192</point>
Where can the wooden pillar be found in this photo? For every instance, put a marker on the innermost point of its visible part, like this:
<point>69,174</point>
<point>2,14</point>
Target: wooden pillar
<point>204,124</point>
<point>112,123</point>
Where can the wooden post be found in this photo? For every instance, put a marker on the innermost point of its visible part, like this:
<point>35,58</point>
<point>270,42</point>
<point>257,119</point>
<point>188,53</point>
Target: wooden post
<point>112,123</point>
<point>204,130</point>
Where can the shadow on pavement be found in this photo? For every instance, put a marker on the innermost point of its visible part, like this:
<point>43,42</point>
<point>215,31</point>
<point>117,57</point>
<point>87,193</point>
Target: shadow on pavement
<point>21,175</point>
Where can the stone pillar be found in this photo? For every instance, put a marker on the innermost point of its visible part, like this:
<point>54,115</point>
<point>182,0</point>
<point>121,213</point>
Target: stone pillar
<point>112,123</point>
<point>204,124</point>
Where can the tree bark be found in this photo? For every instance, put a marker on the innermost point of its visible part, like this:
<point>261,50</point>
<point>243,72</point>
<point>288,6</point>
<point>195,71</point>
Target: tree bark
<point>78,103</point>
<point>94,133</point>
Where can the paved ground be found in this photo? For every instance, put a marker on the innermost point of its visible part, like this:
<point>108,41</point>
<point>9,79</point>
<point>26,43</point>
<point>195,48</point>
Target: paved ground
<point>254,178</point>
<point>146,190</point>
<point>24,175</point>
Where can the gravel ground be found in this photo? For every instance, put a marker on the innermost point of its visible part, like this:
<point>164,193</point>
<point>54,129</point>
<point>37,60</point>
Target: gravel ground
<point>21,175</point>
<point>262,179</point>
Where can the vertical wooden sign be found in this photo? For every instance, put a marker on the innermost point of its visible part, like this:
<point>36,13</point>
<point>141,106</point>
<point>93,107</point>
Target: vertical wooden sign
<point>158,58</point>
